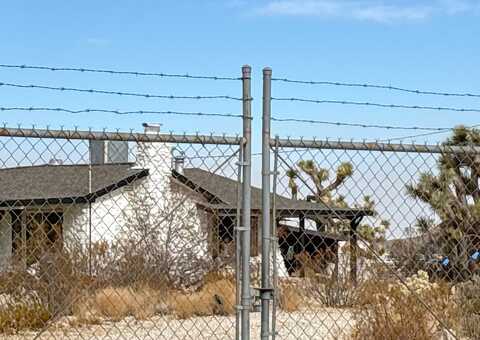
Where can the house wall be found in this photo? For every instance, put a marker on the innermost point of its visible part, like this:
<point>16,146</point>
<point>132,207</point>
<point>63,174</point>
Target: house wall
<point>5,239</point>
<point>155,208</point>
<point>107,218</point>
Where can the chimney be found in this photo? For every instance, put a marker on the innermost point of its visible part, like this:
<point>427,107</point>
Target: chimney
<point>102,152</point>
<point>152,128</point>
<point>97,151</point>
<point>117,152</point>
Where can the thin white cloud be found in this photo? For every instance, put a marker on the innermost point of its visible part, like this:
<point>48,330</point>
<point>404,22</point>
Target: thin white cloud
<point>390,13</point>
<point>370,10</point>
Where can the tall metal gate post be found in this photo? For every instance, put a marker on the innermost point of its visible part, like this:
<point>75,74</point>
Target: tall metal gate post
<point>274,241</point>
<point>265,291</point>
<point>238,247</point>
<point>246,200</point>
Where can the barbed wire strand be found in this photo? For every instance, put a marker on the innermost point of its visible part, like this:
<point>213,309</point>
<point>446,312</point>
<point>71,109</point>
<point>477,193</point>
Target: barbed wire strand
<point>391,106</point>
<point>360,125</point>
<point>58,109</point>
<point>231,115</point>
<point>119,93</point>
<point>377,86</point>
<point>107,71</point>
<point>423,134</point>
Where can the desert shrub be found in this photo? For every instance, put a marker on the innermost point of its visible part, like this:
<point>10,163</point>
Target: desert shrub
<point>52,280</point>
<point>289,297</point>
<point>215,297</point>
<point>23,315</point>
<point>121,263</point>
<point>58,282</point>
<point>389,310</point>
<point>468,298</point>
<point>332,290</point>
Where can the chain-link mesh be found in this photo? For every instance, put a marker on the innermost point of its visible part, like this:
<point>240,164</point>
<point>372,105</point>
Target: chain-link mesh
<point>376,241</point>
<point>111,236</point>
<point>114,236</point>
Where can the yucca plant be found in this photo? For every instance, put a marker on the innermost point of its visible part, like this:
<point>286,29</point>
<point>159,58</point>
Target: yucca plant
<point>453,193</point>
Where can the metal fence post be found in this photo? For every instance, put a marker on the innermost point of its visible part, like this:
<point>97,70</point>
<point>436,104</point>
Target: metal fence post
<point>246,200</point>
<point>274,241</point>
<point>238,247</point>
<point>265,292</point>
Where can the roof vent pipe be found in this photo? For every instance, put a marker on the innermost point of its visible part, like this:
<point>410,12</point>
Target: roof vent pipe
<point>178,160</point>
<point>55,161</point>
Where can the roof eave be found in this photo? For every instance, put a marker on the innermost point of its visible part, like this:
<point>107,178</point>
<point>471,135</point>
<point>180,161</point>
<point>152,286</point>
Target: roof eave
<point>75,199</point>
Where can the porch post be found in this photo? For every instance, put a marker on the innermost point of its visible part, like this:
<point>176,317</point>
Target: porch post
<point>354,248</point>
<point>23,233</point>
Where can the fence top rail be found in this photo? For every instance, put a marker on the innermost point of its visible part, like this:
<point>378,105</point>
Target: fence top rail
<point>120,136</point>
<point>371,146</point>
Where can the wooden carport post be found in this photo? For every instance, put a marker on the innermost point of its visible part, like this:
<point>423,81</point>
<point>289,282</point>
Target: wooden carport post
<point>301,220</point>
<point>23,233</point>
<point>354,248</point>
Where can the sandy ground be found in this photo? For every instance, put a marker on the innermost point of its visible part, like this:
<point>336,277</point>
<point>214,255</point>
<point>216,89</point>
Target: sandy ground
<point>322,324</point>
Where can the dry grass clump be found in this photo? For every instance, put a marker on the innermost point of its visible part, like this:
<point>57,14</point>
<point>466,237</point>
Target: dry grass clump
<point>117,303</point>
<point>468,297</point>
<point>289,298</point>
<point>21,316</point>
<point>216,297</point>
<point>389,310</point>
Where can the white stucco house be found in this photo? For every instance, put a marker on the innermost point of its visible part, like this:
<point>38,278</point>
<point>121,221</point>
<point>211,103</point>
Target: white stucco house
<point>152,200</point>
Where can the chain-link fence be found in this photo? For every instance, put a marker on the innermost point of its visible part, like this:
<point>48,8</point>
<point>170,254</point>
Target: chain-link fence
<point>376,241</point>
<point>113,235</point>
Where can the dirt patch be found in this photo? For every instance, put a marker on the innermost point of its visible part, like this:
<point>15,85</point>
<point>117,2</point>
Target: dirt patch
<point>326,323</point>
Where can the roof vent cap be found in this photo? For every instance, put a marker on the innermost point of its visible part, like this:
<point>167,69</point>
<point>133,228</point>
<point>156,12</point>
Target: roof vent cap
<point>152,127</point>
<point>55,161</point>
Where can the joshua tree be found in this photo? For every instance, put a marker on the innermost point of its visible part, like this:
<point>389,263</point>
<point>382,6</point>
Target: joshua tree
<point>318,176</point>
<point>323,192</point>
<point>292,176</point>
<point>454,195</point>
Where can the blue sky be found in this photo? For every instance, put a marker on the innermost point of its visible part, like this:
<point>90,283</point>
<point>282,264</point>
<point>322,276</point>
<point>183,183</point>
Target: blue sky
<point>429,45</point>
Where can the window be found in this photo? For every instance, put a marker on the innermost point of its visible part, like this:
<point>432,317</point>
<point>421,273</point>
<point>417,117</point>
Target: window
<point>35,232</point>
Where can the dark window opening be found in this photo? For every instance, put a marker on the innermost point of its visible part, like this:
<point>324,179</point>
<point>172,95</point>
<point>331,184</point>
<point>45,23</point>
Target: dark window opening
<point>35,233</point>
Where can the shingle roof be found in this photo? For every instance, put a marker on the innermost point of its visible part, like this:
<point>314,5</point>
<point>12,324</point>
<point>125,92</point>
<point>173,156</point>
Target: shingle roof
<point>23,185</point>
<point>225,190</point>
<point>70,183</point>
